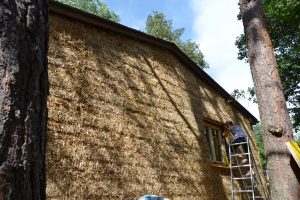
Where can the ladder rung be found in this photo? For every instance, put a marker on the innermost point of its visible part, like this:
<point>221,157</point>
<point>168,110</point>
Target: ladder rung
<point>241,178</point>
<point>239,154</point>
<point>233,144</point>
<point>250,188</point>
<point>236,166</point>
<point>242,190</point>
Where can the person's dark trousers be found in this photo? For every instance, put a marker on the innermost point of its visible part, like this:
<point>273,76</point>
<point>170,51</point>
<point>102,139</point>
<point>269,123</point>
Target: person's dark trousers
<point>240,140</point>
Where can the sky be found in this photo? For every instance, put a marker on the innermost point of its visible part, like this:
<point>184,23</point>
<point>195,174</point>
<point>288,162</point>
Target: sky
<point>212,24</point>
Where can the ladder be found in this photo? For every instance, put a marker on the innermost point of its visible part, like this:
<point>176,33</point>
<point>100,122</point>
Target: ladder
<point>247,172</point>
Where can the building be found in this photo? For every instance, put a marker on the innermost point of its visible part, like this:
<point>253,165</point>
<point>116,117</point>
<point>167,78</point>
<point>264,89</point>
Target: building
<point>130,114</point>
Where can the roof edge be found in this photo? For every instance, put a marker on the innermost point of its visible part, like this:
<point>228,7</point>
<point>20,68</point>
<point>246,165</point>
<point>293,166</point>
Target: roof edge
<point>74,13</point>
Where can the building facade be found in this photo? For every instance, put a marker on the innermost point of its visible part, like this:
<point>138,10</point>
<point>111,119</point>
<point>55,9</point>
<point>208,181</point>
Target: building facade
<point>130,114</point>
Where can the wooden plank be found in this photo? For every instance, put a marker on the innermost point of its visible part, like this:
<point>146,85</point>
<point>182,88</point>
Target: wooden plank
<point>295,151</point>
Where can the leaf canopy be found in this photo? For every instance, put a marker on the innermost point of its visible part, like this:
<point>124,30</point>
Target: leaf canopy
<point>95,7</point>
<point>158,26</point>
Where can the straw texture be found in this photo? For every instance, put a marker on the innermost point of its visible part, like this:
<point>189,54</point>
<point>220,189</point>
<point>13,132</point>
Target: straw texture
<point>126,119</point>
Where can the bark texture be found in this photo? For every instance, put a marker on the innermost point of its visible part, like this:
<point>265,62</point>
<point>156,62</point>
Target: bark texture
<point>23,93</point>
<point>272,107</point>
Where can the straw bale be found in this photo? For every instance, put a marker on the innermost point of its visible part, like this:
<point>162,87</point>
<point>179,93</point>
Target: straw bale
<point>127,119</point>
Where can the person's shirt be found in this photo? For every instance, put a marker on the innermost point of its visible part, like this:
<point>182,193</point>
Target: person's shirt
<point>237,131</point>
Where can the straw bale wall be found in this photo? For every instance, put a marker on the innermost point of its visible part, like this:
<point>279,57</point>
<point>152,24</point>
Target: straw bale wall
<point>126,118</point>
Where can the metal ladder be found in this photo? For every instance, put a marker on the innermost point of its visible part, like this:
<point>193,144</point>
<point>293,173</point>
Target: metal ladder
<point>247,183</point>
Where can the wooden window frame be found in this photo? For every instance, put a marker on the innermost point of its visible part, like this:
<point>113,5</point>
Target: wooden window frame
<point>210,127</point>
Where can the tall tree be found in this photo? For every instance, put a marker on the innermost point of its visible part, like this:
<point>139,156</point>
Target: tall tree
<point>158,26</point>
<point>283,22</point>
<point>276,126</point>
<point>23,93</point>
<point>95,7</point>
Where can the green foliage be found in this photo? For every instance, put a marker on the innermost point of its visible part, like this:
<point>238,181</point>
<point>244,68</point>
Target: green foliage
<point>250,94</point>
<point>192,49</point>
<point>283,17</point>
<point>158,26</point>
<point>238,94</point>
<point>95,7</point>
<point>260,143</point>
<point>241,44</point>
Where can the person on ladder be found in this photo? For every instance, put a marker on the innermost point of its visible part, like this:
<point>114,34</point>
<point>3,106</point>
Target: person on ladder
<point>237,135</point>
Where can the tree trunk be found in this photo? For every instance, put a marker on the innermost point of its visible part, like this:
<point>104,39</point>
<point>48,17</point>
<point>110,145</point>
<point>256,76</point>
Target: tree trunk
<point>23,95</point>
<point>274,116</point>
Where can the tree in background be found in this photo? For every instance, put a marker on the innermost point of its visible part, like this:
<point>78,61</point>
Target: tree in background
<point>276,126</point>
<point>95,7</point>
<point>260,144</point>
<point>23,98</point>
<point>283,17</point>
<point>158,26</point>
<point>249,94</point>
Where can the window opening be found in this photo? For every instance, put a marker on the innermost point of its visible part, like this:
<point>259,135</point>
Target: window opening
<point>216,143</point>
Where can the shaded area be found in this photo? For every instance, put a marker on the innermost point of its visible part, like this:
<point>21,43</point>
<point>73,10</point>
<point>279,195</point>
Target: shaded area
<point>210,179</point>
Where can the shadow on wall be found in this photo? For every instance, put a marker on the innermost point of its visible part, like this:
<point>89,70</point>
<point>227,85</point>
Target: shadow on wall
<point>211,181</point>
<point>124,120</point>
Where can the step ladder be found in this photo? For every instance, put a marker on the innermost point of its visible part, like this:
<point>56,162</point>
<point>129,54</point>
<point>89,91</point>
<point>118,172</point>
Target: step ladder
<point>246,175</point>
